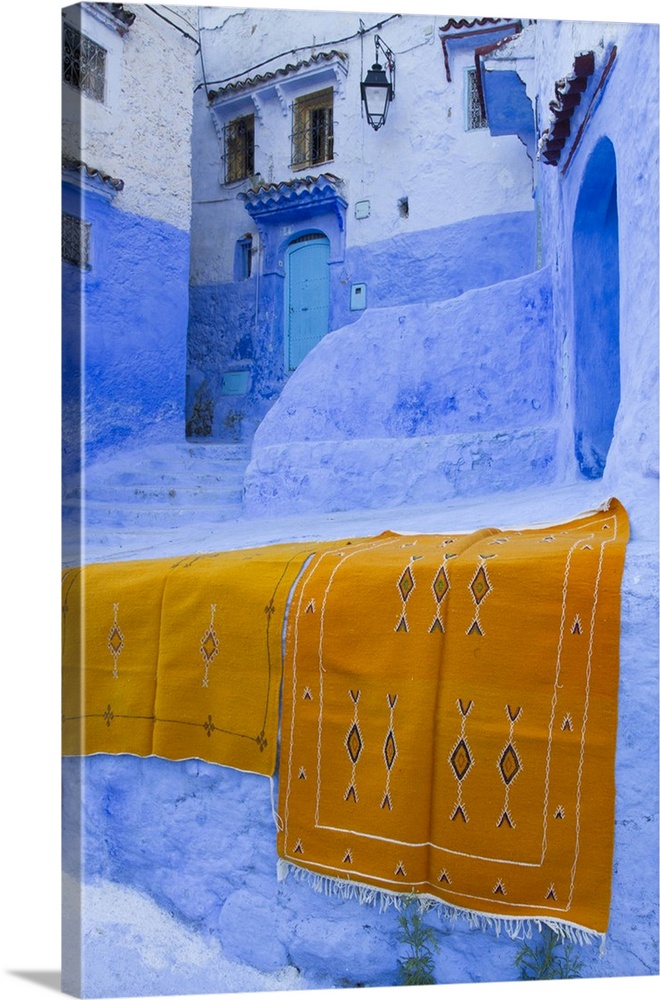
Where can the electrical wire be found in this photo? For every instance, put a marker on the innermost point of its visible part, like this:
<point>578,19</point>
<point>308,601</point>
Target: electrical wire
<point>301,48</point>
<point>204,82</point>
<point>171,23</point>
<point>174,11</point>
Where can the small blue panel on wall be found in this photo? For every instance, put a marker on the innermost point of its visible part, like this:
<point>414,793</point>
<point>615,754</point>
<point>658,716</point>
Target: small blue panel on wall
<point>235,383</point>
<point>358,296</point>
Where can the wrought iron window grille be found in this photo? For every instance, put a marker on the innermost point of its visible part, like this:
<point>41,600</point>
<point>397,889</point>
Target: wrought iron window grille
<point>83,63</point>
<point>312,139</point>
<point>76,241</point>
<point>239,149</point>
<point>474,115</point>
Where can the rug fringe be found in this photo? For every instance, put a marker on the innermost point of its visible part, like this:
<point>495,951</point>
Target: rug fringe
<point>514,927</point>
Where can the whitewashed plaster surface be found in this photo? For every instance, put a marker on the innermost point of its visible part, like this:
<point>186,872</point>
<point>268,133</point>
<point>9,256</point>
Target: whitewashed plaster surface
<point>424,152</point>
<point>141,133</point>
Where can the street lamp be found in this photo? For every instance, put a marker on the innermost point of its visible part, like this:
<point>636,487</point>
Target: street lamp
<point>377,90</point>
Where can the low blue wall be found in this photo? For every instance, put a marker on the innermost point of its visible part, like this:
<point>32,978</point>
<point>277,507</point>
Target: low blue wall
<point>438,264</point>
<point>416,403</point>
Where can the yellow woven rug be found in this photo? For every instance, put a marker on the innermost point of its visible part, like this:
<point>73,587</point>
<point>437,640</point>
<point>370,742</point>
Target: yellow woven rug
<point>449,719</point>
<point>178,658</point>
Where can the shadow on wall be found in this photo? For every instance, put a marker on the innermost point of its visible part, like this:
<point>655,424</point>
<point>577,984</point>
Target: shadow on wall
<point>596,311</point>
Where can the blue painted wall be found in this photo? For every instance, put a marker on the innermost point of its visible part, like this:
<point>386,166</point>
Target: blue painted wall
<point>130,308</point>
<point>234,327</point>
<point>510,111</point>
<point>240,325</point>
<point>419,403</point>
<point>438,264</point>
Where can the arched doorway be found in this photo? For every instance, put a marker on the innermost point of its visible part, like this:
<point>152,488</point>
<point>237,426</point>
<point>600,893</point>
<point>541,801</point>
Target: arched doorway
<point>596,311</point>
<point>307,304</point>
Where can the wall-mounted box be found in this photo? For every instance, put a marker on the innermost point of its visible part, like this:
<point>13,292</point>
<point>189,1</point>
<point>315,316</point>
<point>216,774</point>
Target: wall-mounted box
<point>235,383</point>
<point>359,296</point>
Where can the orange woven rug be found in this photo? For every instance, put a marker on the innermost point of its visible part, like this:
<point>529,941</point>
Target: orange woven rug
<point>449,720</point>
<point>178,657</point>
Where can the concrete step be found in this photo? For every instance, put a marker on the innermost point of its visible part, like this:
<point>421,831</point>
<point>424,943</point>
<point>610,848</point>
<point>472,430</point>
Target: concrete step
<point>130,515</point>
<point>227,472</point>
<point>179,494</point>
<point>171,458</point>
<point>138,487</point>
<point>161,486</point>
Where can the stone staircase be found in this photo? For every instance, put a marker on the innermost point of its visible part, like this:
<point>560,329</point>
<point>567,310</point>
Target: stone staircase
<point>151,493</point>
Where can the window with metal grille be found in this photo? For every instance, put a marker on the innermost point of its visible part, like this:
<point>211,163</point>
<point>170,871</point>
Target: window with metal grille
<point>75,241</point>
<point>83,63</point>
<point>474,115</point>
<point>239,149</point>
<point>312,138</point>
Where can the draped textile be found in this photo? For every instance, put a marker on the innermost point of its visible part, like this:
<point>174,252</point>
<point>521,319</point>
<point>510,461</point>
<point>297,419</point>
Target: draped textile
<point>178,658</point>
<point>449,718</point>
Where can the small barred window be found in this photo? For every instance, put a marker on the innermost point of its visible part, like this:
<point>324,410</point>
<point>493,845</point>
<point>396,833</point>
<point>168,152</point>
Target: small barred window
<point>83,63</point>
<point>239,149</point>
<point>475,117</point>
<point>75,241</point>
<point>313,132</point>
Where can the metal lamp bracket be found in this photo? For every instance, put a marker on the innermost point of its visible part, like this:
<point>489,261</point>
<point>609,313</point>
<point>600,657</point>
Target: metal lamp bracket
<point>389,56</point>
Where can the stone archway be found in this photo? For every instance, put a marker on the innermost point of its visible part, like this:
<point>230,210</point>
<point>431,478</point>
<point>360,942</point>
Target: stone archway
<point>596,311</point>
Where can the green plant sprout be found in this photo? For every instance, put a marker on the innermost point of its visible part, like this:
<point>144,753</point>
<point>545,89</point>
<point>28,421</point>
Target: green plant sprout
<point>417,966</point>
<point>550,958</point>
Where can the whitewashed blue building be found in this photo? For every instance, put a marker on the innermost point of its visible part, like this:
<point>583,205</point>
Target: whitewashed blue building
<point>126,194</point>
<point>304,216</point>
<point>452,316</point>
<point>439,307</point>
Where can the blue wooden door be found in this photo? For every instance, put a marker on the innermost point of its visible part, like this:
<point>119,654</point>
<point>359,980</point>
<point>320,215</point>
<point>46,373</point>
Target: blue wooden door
<point>308,296</point>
